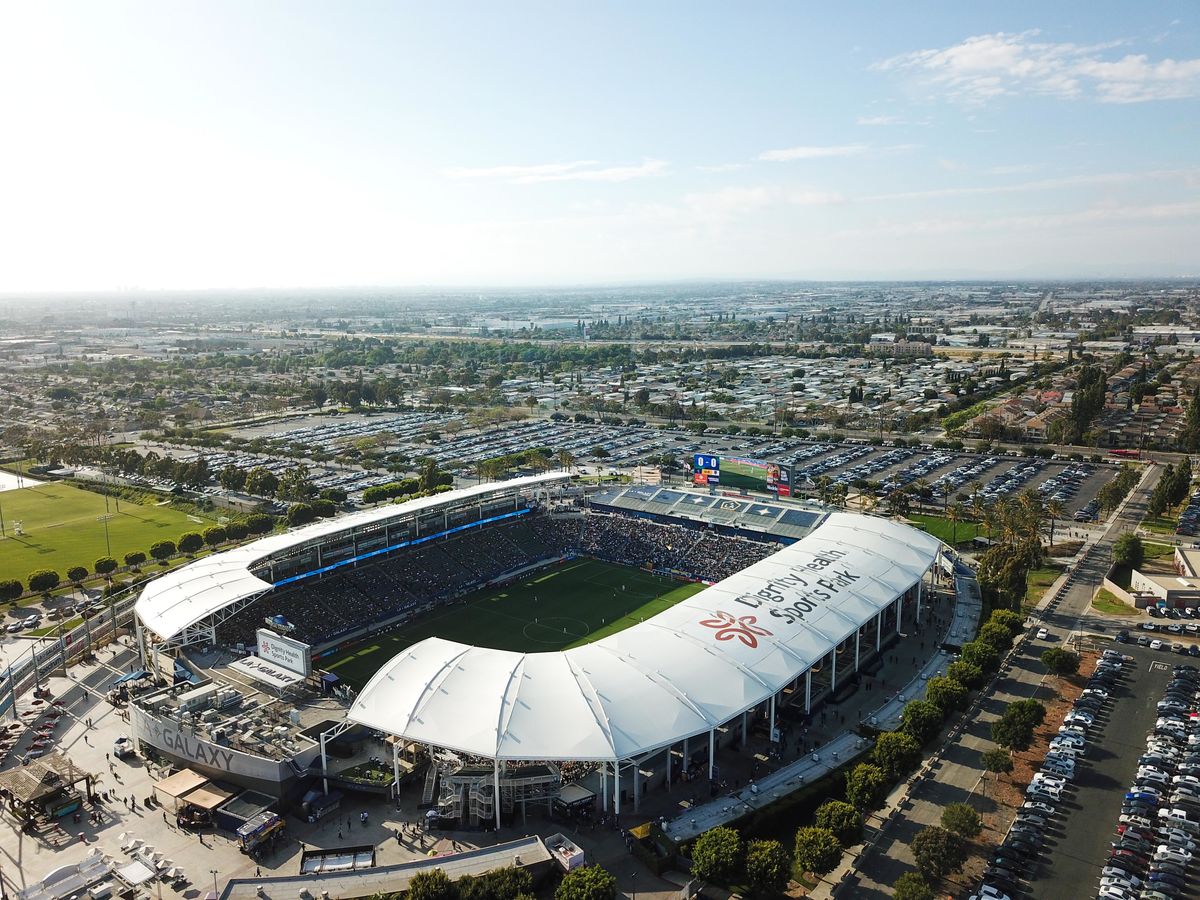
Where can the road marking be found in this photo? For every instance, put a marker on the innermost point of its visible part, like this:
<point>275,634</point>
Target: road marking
<point>1158,665</point>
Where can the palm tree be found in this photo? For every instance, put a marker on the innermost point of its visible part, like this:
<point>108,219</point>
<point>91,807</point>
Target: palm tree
<point>823,482</point>
<point>566,459</point>
<point>954,514</point>
<point>1054,509</point>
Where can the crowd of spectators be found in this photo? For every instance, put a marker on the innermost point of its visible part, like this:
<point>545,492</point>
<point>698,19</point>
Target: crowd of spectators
<point>414,581</point>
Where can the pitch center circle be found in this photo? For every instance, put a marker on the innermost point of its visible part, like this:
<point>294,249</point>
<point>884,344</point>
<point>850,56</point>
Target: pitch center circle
<point>552,629</point>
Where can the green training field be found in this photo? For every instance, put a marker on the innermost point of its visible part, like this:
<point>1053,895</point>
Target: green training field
<point>564,606</point>
<point>63,527</point>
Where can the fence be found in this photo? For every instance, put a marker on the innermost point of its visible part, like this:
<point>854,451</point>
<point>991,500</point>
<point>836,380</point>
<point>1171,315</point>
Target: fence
<point>49,654</point>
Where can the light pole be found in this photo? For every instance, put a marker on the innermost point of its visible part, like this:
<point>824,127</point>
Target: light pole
<point>214,875</point>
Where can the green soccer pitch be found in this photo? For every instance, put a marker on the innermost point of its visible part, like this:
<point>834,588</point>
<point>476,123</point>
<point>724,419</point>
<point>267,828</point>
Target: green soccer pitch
<point>64,526</point>
<point>563,606</point>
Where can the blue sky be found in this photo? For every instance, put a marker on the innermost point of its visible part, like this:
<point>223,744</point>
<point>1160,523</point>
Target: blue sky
<point>277,144</point>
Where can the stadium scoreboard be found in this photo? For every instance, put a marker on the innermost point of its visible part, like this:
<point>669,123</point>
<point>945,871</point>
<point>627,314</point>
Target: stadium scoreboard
<point>709,470</point>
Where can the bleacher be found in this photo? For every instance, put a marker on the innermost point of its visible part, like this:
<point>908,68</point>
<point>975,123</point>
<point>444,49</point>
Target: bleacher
<point>416,580</point>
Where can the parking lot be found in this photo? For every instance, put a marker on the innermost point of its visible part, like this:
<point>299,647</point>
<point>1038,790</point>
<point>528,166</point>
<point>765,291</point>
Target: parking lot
<point>1079,841</point>
<point>950,475</point>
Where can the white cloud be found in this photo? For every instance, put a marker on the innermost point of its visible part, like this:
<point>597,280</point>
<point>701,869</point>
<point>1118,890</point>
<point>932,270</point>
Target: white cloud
<point>581,170</point>
<point>789,154</point>
<point>1187,176</point>
<point>1096,215</point>
<point>881,120</point>
<point>987,66</point>
<point>721,167</point>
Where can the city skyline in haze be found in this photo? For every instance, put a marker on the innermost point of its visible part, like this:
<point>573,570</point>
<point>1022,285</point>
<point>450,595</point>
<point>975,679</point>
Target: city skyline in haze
<point>215,145</point>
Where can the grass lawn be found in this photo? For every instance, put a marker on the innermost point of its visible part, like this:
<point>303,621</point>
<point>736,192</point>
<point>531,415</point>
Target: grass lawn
<point>942,529</point>
<point>1157,551</point>
<point>1106,603</point>
<point>63,526</point>
<point>564,606</point>
<point>1160,524</point>
<point>1038,581</point>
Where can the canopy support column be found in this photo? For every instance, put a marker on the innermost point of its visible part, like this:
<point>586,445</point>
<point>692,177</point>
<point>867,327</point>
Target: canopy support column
<point>617,786</point>
<point>496,784</point>
<point>899,611</point>
<point>712,749</point>
<point>808,691</point>
<point>771,733</point>
<point>637,788</point>
<point>833,670</point>
<point>604,785</point>
<point>920,584</point>
<point>878,630</point>
<point>396,768</point>
<point>745,736</point>
<point>857,647</point>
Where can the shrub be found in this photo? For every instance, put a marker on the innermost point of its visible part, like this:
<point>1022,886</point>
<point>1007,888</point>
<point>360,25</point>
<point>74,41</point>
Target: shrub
<point>938,852</point>
<point>260,523</point>
<point>587,883</point>
<point>162,550</point>
<point>911,886</point>
<point>842,819</point>
<point>921,719</point>
<point>326,509</point>
<point>866,787</point>
<point>1129,551</point>
<point>717,855</point>
<point>136,558</point>
<point>768,867</point>
<point>11,589</point>
<point>215,536</point>
<point>896,753</point>
<point>300,514</point>
<point>962,819</point>
<point>965,674</point>
<point>105,565</point>
<point>191,542</point>
<point>43,580</point>
<point>996,636</point>
<point>432,884</point>
<point>1060,661</point>
<point>981,655</point>
<point>817,850</point>
<point>236,531</point>
<point>77,574</point>
<point>1014,622</point>
<point>946,694</point>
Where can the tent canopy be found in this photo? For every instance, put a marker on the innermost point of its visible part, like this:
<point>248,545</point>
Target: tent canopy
<point>180,783</point>
<point>207,797</point>
<point>689,669</point>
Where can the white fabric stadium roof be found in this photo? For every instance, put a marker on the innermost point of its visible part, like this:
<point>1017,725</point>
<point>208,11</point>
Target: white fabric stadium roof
<point>688,669</point>
<point>181,598</point>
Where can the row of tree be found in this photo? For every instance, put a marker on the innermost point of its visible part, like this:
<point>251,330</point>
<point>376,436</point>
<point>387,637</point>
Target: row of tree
<point>510,883</point>
<point>1173,487</point>
<point>42,581</point>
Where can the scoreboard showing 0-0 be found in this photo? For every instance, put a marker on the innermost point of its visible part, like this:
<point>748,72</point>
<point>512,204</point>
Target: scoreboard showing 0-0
<point>738,472</point>
<point>706,469</point>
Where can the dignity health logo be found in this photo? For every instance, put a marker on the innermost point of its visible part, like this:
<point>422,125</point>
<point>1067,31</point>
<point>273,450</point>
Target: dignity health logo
<point>728,627</point>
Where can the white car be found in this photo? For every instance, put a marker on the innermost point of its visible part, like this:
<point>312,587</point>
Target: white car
<point>1156,644</point>
<point>1043,634</point>
<point>14,627</point>
<point>1191,780</point>
<point>1167,853</point>
<point>1177,838</point>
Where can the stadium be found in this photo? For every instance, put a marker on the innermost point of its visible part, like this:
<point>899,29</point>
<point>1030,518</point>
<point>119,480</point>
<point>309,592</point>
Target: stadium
<point>520,643</point>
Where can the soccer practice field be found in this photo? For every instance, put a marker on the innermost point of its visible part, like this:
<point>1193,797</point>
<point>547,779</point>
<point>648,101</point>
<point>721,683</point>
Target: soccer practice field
<point>563,606</point>
<point>63,526</point>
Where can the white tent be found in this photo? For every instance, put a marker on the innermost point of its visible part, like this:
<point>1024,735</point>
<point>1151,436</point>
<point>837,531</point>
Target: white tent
<point>685,671</point>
